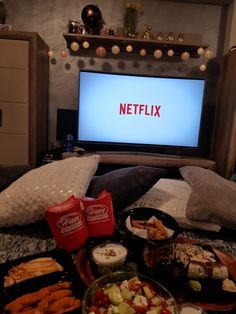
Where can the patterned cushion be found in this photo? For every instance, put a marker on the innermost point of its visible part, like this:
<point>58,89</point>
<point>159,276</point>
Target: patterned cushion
<point>26,199</point>
<point>212,198</point>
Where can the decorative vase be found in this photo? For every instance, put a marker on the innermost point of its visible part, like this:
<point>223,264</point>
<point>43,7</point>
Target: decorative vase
<point>3,13</point>
<point>130,19</point>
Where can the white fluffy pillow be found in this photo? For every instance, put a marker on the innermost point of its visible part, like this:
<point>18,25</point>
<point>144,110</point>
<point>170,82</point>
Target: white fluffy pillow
<point>26,200</point>
<point>171,196</point>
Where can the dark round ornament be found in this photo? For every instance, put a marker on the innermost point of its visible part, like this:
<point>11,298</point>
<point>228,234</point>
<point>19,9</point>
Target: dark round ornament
<point>91,17</point>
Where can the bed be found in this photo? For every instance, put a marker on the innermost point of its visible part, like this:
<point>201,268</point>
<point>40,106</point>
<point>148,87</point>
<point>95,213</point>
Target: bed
<point>202,202</point>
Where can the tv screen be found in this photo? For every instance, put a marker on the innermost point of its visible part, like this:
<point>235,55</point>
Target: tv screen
<point>139,113</point>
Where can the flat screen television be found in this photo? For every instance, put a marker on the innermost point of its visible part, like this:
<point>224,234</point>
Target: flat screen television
<point>126,112</point>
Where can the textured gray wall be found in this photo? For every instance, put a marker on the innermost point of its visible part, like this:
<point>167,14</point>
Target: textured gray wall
<point>49,18</point>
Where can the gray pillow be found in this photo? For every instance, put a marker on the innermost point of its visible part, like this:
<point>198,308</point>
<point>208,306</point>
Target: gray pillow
<point>10,173</point>
<point>212,198</point>
<point>126,184</point>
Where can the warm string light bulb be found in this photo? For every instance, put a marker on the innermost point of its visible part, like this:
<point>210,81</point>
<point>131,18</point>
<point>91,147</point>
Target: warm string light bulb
<point>50,53</point>
<point>185,56</point>
<point>63,54</point>
<point>101,52</point>
<point>115,49</point>
<point>74,46</point>
<point>157,54</point>
<point>200,51</point>
<point>85,44</point>
<point>170,52</point>
<point>129,48</point>
<point>143,52</point>
<point>202,67</point>
<point>208,54</point>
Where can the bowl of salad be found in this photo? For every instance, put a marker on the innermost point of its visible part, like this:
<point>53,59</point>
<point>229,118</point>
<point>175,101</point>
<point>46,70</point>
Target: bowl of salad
<point>124,292</point>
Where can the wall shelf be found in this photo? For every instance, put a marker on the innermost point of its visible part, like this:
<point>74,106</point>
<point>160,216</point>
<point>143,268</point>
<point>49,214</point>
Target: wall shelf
<point>137,43</point>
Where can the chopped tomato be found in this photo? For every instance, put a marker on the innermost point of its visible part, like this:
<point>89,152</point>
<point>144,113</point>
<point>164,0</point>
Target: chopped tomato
<point>139,308</point>
<point>94,308</point>
<point>128,302</point>
<point>165,311</point>
<point>99,295</point>
<point>164,304</point>
<point>146,284</point>
<point>135,284</point>
<point>105,301</point>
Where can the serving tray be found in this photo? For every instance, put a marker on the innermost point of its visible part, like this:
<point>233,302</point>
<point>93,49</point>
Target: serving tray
<point>69,273</point>
<point>212,298</point>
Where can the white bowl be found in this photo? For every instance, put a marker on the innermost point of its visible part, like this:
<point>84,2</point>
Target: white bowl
<point>188,308</point>
<point>108,257</point>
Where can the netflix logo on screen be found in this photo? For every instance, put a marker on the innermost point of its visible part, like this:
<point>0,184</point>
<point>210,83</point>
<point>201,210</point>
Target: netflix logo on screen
<point>140,109</point>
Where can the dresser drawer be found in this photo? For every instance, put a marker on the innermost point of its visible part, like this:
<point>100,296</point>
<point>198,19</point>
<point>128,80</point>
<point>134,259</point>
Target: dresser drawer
<point>14,53</point>
<point>14,118</point>
<point>14,85</point>
<point>14,149</point>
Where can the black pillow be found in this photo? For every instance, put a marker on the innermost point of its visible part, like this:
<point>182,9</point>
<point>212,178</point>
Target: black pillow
<point>10,173</point>
<point>126,184</point>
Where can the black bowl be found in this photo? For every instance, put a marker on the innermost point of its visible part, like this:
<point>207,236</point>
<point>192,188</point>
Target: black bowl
<point>145,214</point>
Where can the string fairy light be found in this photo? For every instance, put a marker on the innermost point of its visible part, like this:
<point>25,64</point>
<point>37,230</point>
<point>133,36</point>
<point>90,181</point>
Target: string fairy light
<point>143,52</point>
<point>157,54</point>
<point>200,51</point>
<point>115,49</point>
<point>86,44</point>
<point>175,48</point>
<point>63,54</point>
<point>74,46</point>
<point>185,56</point>
<point>170,52</point>
<point>208,54</point>
<point>50,53</point>
<point>202,67</point>
<point>101,52</point>
<point>129,48</point>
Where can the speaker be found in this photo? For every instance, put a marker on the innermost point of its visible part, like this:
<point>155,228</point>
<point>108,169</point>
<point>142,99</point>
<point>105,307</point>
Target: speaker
<point>67,123</point>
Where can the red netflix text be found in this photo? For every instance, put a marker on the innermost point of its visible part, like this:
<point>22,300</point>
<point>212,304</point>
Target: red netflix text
<point>140,109</point>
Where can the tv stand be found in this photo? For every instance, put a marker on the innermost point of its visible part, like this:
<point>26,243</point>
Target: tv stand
<point>157,160</point>
<point>138,153</point>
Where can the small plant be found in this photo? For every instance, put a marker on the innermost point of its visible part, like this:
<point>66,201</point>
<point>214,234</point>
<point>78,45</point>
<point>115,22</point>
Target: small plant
<point>130,18</point>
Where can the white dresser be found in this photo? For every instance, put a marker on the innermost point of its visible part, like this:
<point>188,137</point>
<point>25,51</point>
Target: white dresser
<point>23,98</point>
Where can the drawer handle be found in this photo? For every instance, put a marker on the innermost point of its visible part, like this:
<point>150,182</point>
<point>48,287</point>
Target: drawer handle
<point>0,117</point>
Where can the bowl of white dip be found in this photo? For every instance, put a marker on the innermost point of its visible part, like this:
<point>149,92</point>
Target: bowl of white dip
<point>108,257</point>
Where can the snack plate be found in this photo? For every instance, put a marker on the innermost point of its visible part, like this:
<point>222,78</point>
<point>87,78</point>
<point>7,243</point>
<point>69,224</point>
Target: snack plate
<point>147,216</point>
<point>69,273</point>
<point>212,297</point>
